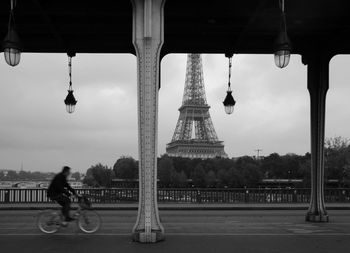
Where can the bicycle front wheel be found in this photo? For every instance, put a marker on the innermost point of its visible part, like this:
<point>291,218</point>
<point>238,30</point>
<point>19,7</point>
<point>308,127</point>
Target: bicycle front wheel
<point>49,221</point>
<point>89,221</point>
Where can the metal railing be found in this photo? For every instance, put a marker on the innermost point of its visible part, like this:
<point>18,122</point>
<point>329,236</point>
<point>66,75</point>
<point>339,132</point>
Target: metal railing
<point>117,195</point>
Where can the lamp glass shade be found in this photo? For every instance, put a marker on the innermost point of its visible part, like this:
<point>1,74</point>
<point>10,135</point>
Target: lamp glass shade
<point>282,47</point>
<point>229,109</point>
<point>12,48</point>
<point>229,103</point>
<point>70,102</point>
<point>282,58</point>
<point>70,108</point>
<point>12,56</point>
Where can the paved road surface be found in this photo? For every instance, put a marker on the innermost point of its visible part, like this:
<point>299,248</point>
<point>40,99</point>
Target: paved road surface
<point>186,231</point>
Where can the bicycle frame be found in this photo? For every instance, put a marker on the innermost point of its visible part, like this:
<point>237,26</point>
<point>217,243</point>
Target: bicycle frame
<point>56,218</point>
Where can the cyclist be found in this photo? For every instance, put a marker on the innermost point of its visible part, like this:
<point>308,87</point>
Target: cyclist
<point>59,191</point>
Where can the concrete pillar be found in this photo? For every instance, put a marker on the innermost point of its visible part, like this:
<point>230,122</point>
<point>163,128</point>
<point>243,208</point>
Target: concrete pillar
<point>317,84</point>
<point>148,26</point>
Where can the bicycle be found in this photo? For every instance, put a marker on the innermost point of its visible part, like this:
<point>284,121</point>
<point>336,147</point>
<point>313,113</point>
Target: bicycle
<point>88,221</point>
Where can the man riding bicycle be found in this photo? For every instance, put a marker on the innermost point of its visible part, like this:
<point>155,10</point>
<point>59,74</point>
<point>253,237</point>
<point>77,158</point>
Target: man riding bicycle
<point>59,191</point>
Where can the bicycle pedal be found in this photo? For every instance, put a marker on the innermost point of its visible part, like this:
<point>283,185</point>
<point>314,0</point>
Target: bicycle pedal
<point>64,224</point>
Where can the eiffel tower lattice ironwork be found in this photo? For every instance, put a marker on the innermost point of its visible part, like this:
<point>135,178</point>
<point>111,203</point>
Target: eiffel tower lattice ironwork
<point>194,135</point>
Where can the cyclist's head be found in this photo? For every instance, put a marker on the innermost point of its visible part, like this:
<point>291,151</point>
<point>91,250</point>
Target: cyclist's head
<point>66,171</point>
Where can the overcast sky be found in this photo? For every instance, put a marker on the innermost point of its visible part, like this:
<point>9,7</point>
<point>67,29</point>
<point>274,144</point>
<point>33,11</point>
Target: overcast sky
<point>272,110</point>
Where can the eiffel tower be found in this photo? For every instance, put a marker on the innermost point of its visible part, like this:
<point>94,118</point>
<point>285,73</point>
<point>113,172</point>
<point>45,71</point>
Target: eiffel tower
<point>194,135</point>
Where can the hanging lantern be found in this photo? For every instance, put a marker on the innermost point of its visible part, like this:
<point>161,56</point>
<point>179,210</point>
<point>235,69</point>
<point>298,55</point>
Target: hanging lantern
<point>70,100</point>
<point>229,101</point>
<point>12,45</point>
<point>282,45</point>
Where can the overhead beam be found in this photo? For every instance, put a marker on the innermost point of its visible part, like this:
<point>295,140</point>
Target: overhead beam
<point>47,20</point>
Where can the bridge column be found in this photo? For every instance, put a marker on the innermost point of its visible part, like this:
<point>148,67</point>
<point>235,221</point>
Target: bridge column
<point>317,84</point>
<point>148,29</point>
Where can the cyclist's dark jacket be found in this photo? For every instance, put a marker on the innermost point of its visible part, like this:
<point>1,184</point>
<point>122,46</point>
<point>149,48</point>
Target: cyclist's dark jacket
<point>58,186</point>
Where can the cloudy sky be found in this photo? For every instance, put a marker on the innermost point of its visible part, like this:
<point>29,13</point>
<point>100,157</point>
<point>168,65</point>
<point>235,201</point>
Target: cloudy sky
<point>272,110</point>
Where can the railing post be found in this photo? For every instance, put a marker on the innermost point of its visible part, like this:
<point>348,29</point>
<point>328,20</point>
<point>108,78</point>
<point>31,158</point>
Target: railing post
<point>246,195</point>
<point>198,196</point>
<point>7,196</point>
<point>295,196</point>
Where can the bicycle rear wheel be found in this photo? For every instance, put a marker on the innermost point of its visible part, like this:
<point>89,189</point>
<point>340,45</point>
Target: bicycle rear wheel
<point>89,221</point>
<point>49,221</point>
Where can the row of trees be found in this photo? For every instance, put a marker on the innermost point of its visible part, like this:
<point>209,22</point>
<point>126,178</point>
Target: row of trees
<point>217,172</point>
<point>244,171</point>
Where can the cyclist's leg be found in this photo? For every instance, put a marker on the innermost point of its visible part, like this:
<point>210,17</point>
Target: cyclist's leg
<point>66,207</point>
<point>63,201</point>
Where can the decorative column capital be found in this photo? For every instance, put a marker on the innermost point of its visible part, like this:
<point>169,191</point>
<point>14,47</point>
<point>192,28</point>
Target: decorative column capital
<point>318,71</point>
<point>322,56</point>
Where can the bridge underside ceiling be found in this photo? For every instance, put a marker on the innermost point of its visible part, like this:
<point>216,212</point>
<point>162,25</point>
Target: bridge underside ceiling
<point>86,26</point>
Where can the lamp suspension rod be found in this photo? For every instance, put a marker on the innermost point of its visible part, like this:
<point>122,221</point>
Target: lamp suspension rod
<point>70,71</point>
<point>283,23</point>
<point>282,5</point>
<point>11,17</point>
<point>229,71</point>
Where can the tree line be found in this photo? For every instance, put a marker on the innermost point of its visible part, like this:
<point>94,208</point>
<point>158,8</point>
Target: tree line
<point>238,172</point>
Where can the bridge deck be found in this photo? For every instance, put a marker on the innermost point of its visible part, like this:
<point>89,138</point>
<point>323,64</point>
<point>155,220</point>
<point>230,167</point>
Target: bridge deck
<point>186,231</point>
